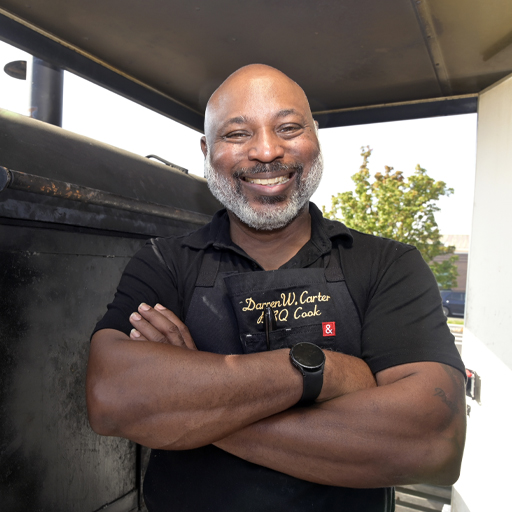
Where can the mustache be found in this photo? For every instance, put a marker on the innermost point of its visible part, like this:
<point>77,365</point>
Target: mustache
<point>271,167</point>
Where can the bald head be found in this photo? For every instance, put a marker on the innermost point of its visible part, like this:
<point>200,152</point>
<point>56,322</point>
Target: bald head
<point>258,123</point>
<point>253,87</point>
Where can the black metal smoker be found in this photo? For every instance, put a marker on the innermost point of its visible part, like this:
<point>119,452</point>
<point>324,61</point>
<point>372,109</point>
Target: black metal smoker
<point>72,212</point>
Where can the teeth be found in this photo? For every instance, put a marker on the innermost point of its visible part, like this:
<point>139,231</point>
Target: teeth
<point>272,181</point>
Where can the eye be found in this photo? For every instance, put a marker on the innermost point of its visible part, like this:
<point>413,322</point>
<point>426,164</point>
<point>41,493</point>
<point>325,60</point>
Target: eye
<point>237,134</point>
<point>289,129</point>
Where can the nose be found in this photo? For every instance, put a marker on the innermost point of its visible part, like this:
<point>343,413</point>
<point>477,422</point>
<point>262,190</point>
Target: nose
<point>267,146</point>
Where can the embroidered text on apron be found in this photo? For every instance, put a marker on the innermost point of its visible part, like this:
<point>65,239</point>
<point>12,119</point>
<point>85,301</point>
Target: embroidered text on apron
<point>309,304</point>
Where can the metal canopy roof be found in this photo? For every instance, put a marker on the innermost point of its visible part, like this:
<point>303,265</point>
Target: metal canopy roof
<point>401,58</point>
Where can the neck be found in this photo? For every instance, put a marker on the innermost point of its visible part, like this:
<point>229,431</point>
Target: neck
<point>272,249</point>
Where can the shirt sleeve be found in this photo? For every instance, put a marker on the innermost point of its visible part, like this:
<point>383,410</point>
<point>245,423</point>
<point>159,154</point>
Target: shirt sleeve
<point>404,321</point>
<point>147,279</point>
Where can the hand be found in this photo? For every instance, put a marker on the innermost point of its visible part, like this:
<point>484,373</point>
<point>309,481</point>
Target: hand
<point>160,325</point>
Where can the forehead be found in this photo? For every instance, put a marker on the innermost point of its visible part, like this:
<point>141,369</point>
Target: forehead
<point>257,99</point>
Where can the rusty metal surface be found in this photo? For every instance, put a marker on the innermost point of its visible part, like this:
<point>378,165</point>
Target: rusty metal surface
<point>59,189</point>
<point>345,54</point>
<point>34,209</point>
<point>41,149</point>
<point>93,185</point>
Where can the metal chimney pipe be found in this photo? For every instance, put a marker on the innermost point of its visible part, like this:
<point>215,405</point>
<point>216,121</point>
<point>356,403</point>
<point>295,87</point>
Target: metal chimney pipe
<point>46,93</point>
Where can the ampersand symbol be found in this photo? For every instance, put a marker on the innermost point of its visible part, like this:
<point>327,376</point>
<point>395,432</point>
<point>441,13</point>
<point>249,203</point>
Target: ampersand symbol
<point>329,328</point>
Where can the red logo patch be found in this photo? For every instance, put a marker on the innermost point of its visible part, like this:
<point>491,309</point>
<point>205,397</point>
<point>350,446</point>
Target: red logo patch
<point>329,328</point>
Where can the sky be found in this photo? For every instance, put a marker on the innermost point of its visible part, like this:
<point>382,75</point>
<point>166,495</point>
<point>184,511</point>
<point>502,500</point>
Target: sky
<point>445,146</point>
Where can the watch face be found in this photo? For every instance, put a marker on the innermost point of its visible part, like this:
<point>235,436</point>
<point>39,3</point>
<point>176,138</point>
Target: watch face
<point>308,355</point>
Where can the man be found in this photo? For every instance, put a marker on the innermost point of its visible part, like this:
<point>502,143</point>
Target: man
<point>193,357</point>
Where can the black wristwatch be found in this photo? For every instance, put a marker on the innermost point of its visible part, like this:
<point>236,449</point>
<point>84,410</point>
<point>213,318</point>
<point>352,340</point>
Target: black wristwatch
<point>309,359</point>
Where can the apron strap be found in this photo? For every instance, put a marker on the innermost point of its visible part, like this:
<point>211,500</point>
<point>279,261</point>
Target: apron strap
<point>211,264</point>
<point>209,268</point>
<point>333,271</point>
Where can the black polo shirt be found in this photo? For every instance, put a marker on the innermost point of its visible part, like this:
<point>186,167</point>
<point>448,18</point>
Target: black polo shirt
<point>395,293</point>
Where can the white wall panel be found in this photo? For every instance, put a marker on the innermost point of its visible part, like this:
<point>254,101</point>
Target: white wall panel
<point>487,344</point>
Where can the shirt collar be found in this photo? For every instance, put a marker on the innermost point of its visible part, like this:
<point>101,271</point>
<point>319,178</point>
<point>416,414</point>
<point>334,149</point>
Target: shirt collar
<point>216,233</point>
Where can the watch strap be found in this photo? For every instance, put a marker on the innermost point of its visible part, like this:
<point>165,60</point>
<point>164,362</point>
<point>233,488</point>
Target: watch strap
<point>313,382</point>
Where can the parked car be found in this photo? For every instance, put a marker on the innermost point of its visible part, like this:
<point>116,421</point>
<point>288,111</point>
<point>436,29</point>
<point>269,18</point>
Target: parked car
<point>454,303</point>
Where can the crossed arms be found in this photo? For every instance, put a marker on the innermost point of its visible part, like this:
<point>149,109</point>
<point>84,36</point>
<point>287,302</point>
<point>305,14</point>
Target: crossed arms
<point>406,425</point>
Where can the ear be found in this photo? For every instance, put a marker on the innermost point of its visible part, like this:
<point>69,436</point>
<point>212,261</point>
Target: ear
<point>316,125</point>
<point>204,146</point>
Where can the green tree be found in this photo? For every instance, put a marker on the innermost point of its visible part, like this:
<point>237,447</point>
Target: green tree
<point>399,208</point>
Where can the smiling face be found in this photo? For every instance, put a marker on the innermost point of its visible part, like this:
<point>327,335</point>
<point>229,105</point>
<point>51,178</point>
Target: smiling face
<point>262,156</point>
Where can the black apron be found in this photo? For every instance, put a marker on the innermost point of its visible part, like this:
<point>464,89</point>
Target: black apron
<point>313,304</point>
<point>226,316</point>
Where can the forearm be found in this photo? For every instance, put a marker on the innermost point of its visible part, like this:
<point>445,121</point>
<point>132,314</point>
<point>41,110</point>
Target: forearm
<point>164,396</point>
<point>371,438</point>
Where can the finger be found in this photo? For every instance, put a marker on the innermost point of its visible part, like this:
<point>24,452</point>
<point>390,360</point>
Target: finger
<point>185,333</point>
<point>163,324</point>
<point>156,328</point>
<point>136,335</point>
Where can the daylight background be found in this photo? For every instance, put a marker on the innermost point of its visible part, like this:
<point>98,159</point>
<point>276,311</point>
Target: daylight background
<point>445,146</point>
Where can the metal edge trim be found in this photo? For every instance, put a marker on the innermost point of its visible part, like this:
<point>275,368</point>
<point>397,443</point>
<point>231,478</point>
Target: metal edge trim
<point>402,111</point>
<point>36,41</point>
<point>17,180</point>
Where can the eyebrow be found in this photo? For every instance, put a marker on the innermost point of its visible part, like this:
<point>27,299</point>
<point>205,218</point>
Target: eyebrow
<point>286,112</point>
<point>281,113</point>
<point>236,120</point>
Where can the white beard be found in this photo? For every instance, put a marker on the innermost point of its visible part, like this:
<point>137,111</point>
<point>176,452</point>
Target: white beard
<point>275,215</point>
